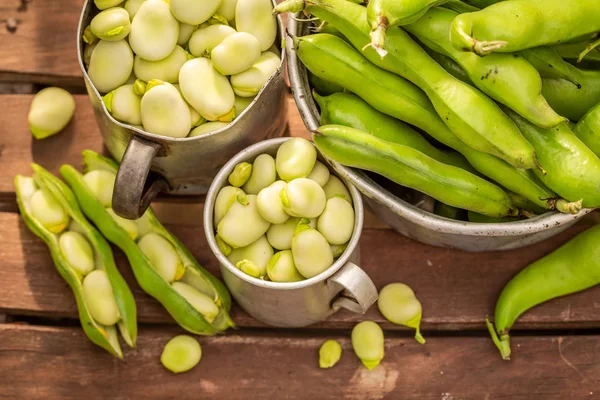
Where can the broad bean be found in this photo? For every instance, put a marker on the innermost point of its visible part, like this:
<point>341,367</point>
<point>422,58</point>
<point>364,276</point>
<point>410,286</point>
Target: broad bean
<point>128,225</point>
<point>571,101</point>
<point>256,18</point>
<point>323,87</point>
<point>320,174</point>
<point>164,112</point>
<point>281,268</point>
<point>193,12</point>
<point>336,223</point>
<point>110,65</point>
<point>101,183</point>
<point>104,4</point>
<point>207,127</point>
<point>162,256</point>
<point>280,235</point>
<point>132,7</point>
<point>225,198</point>
<point>330,353</point>
<point>263,174</point>
<point>181,354</point>
<point>338,249</point>
<point>248,83</point>
<point>201,302</point>
<point>588,129</point>
<point>111,24</point>
<point>295,159</point>
<point>303,197</point>
<point>398,304</point>
<point>48,211</point>
<point>185,33</point>
<point>77,252</point>
<point>124,105</point>
<point>154,31</point>
<point>367,341</point>
<point>255,257</point>
<point>207,38</point>
<point>100,299</point>
<point>207,90</point>
<point>50,112</point>
<point>227,10</point>
<point>236,53</point>
<point>241,103</point>
<point>240,174</point>
<point>166,69</point>
<point>269,203</point>
<point>242,224</point>
<point>312,254</point>
<point>336,188</point>
<point>87,53</point>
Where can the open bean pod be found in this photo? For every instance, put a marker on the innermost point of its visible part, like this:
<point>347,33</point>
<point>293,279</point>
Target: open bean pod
<point>192,307</point>
<point>82,257</point>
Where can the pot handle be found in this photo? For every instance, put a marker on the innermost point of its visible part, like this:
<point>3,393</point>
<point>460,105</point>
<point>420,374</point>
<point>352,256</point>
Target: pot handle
<point>134,190</point>
<point>359,290</point>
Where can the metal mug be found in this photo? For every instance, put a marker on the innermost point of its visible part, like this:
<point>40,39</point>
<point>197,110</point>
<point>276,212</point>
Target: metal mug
<point>399,206</point>
<point>152,163</point>
<point>294,304</point>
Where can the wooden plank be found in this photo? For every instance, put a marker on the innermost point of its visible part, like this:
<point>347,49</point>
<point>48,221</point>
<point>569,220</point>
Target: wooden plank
<point>42,48</point>
<point>60,363</point>
<point>457,289</point>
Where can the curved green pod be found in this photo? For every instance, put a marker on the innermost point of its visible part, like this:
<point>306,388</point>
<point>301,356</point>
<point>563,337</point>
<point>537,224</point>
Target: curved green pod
<point>588,129</point>
<point>150,281</point>
<point>549,64</point>
<point>571,101</point>
<point>449,65</point>
<point>507,78</point>
<point>446,211</point>
<point>572,169</point>
<point>348,110</point>
<point>571,268</point>
<point>383,14</point>
<point>515,25</point>
<point>484,219</point>
<point>469,114</point>
<point>323,87</point>
<point>101,335</point>
<point>573,51</point>
<point>411,168</point>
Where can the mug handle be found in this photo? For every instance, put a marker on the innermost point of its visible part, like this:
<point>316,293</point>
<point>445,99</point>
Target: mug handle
<point>359,290</point>
<point>134,191</point>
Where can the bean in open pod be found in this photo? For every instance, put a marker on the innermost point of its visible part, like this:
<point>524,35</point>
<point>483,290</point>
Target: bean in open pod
<point>236,53</point>
<point>225,198</point>
<point>295,158</point>
<point>124,105</point>
<point>263,174</point>
<point>398,304</point>
<point>207,127</point>
<point>77,251</point>
<point>201,302</point>
<point>48,211</point>
<point>185,33</point>
<point>281,268</point>
<point>242,224</point>
<point>280,235</point>
<point>207,90</point>
<point>130,226</point>
<point>256,17</point>
<point>367,341</point>
<point>336,188</point>
<point>102,184</point>
<point>194,12</point>
<point>99,297</point>
<point>162,256</point>
<point>249,82</point>
<point>207,38</point>
<point>164,112</point>
<point>154,31</point>
<point>50,112</point>
<point>312,254</point>
<point>253,259</point>
<point>104,4</point>
<point>110,65</point>
<point>320,173</point>
<point>166,69</point>
<point>303,197</point>
<point>111,24</point>
<point>336,223</point>
<point>269,203</point>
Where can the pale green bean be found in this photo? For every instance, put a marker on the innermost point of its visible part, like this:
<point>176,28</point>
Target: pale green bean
<point>330,353</point>
<point>181,354</point>
<point>295,158</point>
<point>77,251</point>
<point>336,223</point>
<point>242,224</point>
<point>50,112</point>
<point>162,256</point>
<point>312,254</point>
<point>101,183</point>
<point>281,268</point>
<point>263,174</point>
<point>303,197</point>
<point>269,203</point>
<point>367,341</point>
<point>258,253</point>
<point>48,211</point>
<point>240,174</point>
<point>320,173</point>
<point>100,299</point>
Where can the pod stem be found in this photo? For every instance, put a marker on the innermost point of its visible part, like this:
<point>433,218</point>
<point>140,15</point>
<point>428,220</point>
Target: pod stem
<point>568,207</point>
<point>484,48</point>
<point>502,342</point>
<point>416,324</point>
<point>587,50</point>
<point>378,36</point>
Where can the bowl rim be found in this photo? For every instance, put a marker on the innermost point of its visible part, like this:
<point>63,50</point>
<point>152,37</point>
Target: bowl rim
<point>220,180</point>
<point>310,116</point>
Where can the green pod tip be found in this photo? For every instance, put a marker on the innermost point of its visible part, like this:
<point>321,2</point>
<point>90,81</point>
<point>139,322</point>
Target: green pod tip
<point>566,207</point>
<point>248,267</point>
<point>502,342</point>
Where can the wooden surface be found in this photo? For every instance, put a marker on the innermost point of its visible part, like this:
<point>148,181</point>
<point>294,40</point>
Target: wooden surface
<point>45,355</point>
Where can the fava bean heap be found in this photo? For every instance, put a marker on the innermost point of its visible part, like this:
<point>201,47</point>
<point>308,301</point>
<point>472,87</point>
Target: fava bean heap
<point>180,68</point>
<point>286,218</point>
<point>504,87</point>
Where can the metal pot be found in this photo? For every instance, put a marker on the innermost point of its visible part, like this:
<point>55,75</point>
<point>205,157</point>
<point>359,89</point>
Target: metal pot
<point>407,218</point>
<point>343,285</point>
<point>151,163</point>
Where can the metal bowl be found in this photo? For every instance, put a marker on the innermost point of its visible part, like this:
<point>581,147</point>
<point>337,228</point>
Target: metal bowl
<point>405,217</point>
<point>152,163</point>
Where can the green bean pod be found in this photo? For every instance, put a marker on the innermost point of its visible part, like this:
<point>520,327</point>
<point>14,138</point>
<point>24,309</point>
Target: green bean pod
<point>549,64</point>
<point>484,219</point>
<point>573,267</point>
<point>507,78</point>
<point>522,24</point>
<point>449,65</point>
<point>98,250</point>
<point>348,110</point>
<point>571,101</point>
<point>446,211</point>
<point>411,168</point>
<point>460,7</point>
<point>574,51</point>
<point>572,169</point>
<point>588,129</point>
<point>471,115</point>
<point>383,14</point>
<point>323,87</point>
<point>182,311</point>
<point>154,31</point>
